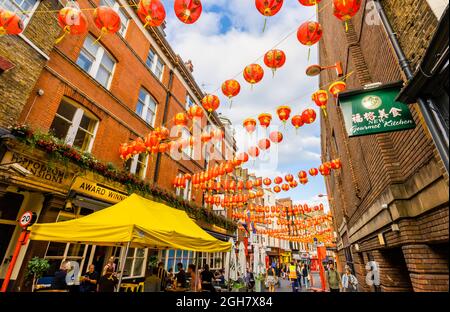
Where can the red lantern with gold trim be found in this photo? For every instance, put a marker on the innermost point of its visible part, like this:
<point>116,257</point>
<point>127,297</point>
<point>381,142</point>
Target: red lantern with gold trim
<point>253,151</point>
<point>346,9</point>
<point>276,137</point>
<point>265,120</point>
<point>297,122</point>
<point>313,172</point>
<point>284,113</point>
<point>302,175</point>
<point>258,182</point>
<point>309,2</point>
<point>278,180</point>
<point>268,8</point>
<point>231,88</point>
<point>72,20</point>
<point>267,182</point>
<point>10,23</point>
<point>274,59</point>
<point>188,11</point>
<point>309,116</point>
<point>289,178</point>
<point>253,73</point>
<point>264,144</point>
<point>151,12</point>
<point>337,87</point>
<point>336,164</point>
<point>250,125</point>
<point>277,189</point>
<point>195,111</point>
<point>324,170</point>
<point>285,187</point>
<point>107,20</point>
<point>309,33</point>
<point>320,97</point>
<point>211,102</point>
<point>180,120</point>
<point>243,157</point>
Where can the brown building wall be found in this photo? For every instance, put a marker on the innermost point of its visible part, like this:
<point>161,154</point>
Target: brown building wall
<point>395,168</point>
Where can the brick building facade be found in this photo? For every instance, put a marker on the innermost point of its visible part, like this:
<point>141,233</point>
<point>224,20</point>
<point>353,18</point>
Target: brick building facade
<point>390,200</point>
<point>94,96</point>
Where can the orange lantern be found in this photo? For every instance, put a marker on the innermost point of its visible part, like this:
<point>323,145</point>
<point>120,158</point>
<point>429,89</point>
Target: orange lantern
<point>151,12</point>
<point>276,137</point>
<point>243,157</point>
<point>284,112</point>
<point>180,120</point>
<point>265,120</point>
<point>268,8</point>
<point>337,87</point>
<point>336,164</point>
<point>230,89</point>
<point>163,147</point>
<point>258,182</point>
<point>324,170</point>
<point>195,111</point>
<point>297,122</point>
<point>309,33</point>
<point>278,180</point>
<point>267,181</point>
<point>309,116</point>
<point>253,73</point>
<point>107,19</point>
<point>289,178</point>
<point>260,193</point>
<point>309,2</point>
<point>211,102</point>
<point>10,23</point>
<point>264,144</point>
<point>321,99</point>
<point>123,151</point>
<point>253,151</point>
<point>285,187</point>
<point>250,125</point>
<point>346,9</point>
<point>249,185</point>
<point>205,137</point>
<point>274,59</point>
<point>188,11</point>
<point>313,172</point>
<point>72,21</point>
<point>302,175</point>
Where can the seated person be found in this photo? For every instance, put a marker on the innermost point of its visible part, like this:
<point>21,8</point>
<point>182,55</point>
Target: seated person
<point>108,281</point>
<point>59,281</point>
<point>152,282</point>
<point>89,280</point>
<point>180,276</point>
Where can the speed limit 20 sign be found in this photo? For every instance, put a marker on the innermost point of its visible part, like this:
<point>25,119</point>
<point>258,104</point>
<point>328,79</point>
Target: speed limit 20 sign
<point>27,219</point>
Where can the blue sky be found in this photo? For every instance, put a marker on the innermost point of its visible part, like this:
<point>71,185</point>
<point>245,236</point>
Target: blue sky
<point>227,37</point>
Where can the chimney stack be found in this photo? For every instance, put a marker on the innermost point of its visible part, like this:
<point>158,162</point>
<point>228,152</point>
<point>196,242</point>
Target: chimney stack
<point>189,66</point>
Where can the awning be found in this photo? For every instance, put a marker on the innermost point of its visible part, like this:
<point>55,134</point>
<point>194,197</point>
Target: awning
<point>222,237</point>
<point>135,220</point>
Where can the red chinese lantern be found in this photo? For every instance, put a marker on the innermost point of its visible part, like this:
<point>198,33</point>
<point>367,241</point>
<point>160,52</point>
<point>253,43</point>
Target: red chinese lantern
<point>195,111</point>
<point>302,175</point>
<point>277,189</point>
<point>264,144</point>
<point>163,147</point>
<point>249,185</point>
<point>309,116</point>
<point>151,12</point>
<point>285,187</point>
<point>253,151</point>
<point>267,181</point>
<point>278,180</point>
<point>293,184</point>
<point>188,11</point>
<point>276,137</point>
<point>243,157</point>
<point>123,151</point>
<point>297,122</point>
<point>309,2</point>
<point>107,19</point>
<point>250,125</point>
<point>284,112</point>
<point>258,182</point>
<point>268,8</point>
<point>309,33</point>
<point>72,21</point>
<point>265,120</point>
<point>211,102</point>
<point>321,99</point>
<point>313,172</point>
<point>324,170</point>
<point>274,59</point>
<point>253,73</point>
<point>337,87</point>
<point>289,178</point>
<point>346,9</point>
<point>205,137</point>
<point>10,23</point>
<point>336,164</point>
<point>230,89</point>
<point>180,120</point>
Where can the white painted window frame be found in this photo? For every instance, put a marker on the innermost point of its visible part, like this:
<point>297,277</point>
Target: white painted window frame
<point>148,98</point>
<point>154,63</point>
<point>134,163</point>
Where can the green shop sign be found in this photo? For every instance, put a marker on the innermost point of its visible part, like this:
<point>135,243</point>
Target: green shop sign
<point>375,111</point>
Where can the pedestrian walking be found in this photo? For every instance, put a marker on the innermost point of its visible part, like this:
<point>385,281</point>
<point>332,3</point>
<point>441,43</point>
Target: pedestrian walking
<point>305,275</point>
<point>271,279</point>
<point>349,281</point>
<point>333,278</point>
<point>299,274</point>
<point>292,273</point>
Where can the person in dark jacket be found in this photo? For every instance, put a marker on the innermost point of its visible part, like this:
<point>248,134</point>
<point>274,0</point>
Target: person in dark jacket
<point>108,281</point>
<point>59,281</point>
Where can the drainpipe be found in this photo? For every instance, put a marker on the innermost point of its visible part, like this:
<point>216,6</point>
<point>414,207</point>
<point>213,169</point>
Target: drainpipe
<point>426,105</point>
<point>164,119</point>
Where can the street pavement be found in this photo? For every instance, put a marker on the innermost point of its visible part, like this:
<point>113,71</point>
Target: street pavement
<point>286,284</point>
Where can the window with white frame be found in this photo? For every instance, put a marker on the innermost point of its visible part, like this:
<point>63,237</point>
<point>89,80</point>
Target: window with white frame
<point>186,135</point>
<point>138,165</point>
<point>178,256</point>
<point>146,107</point>
<point>155,64</point>
<point>74,125</point>
<point>96,61</point>
<point>23,8</point>
<point>189,101</point>
<point>135,262</point>
<point>124,19</point>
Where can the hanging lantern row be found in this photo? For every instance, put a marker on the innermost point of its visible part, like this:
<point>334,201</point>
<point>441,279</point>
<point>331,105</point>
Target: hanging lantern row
<point>299,210</point>
<point>153,143</point>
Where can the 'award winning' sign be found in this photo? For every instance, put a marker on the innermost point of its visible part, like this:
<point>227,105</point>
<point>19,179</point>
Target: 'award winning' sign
<point>375,111</point>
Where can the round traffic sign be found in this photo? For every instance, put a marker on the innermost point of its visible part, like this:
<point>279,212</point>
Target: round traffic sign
<point>27,219</point>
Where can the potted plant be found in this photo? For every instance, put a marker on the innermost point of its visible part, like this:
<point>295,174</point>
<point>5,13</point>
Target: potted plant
<point>36,268</point>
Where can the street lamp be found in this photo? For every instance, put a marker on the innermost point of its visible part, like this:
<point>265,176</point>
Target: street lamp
<point>315,70</point>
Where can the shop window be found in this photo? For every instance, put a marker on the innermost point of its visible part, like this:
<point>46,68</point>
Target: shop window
<point>146,107</point>
<point>138,165</point>
<point>134,264</point>
<point>124,19</point>
<point>96,61</point>
<point>23,8</point>
<point>155,64</point>
<point>74,125</point>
